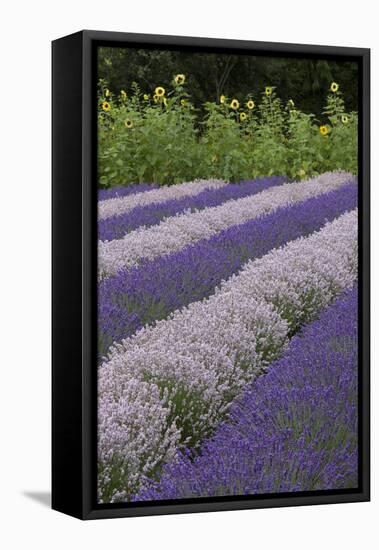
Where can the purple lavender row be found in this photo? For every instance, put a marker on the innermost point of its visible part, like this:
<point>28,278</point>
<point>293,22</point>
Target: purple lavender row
<point>151,291</point>
<point>118,226</point>
<point>294,429</point>
<point>125,190</point>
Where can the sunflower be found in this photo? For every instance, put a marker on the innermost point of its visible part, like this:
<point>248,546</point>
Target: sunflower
<point>159,91</point>
<point>128,123</point>
<point>180,79</point>
<point>222,99</point>
<point>234,104</point>
<point>324,130</point>
<point>250,104</point>
<point>334,87</point>
<point>107,92</point>
<point>155,98</point>
<point>106,106</point>
<point>145,97</point>
<point>243,116</point>
<point>268,90</point>
<point>345,119</point>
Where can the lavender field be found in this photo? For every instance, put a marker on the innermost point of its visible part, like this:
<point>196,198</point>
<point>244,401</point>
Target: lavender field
<point>227,338</point>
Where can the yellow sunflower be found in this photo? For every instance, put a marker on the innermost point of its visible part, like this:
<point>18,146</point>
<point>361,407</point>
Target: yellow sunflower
<point>159,91</point>
<point>345,119</point>
<point>243,116</point>
<point>234,104</point>
<point>107,92</point>
<point>128,123</point>
<point>106,106</point>
<point>250,104</point>
<point>222,99</point>
<point>334,87</point>
<point>324,130</point>
<point>155,98</point>
<point>268,90</point>
<point>180,79</point>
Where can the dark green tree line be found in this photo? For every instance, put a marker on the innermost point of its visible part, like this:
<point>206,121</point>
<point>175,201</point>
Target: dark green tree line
<point>209,75</point>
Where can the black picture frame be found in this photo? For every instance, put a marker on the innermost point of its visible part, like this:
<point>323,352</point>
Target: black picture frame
<point>74,275</point>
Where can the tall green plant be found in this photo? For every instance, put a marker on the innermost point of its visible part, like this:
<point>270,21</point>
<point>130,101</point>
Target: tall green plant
<point>160,137</point>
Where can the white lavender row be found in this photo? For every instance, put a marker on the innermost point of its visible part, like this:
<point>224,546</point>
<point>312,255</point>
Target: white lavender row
<point>176,232</point>
<point>203,355</point>
<point>120,205</point>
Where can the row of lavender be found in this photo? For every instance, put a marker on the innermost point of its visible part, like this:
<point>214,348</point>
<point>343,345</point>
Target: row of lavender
<point>176,232</point>
<point>227,307</point>
<point>294,429</point>
<point>118,225</point>
<point>143,294</point>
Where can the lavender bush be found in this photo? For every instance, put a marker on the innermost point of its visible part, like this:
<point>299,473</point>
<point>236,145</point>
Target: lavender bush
<point>176,232</point>
<point>203,355</point>
<point>143,294</point>
<point>118,226</point>
<point>294,429</point>
<point>135,436</point>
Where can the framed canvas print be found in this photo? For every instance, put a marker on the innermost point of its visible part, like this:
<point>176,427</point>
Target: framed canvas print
<point>210,275</point>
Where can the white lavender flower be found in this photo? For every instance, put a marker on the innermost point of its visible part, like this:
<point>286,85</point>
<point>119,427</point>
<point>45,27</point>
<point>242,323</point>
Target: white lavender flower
<point>134,436</point>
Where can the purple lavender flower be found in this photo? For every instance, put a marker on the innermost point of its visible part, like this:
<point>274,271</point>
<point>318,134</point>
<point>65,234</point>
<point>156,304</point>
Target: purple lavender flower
<point>118,226</point>
<point>120,205</point>
<point>294,429</point>
<point>149,292</point>
<point>124,190</point>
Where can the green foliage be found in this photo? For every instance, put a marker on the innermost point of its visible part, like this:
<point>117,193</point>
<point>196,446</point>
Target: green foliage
<point>163,138</point>
<point>211,74</point>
